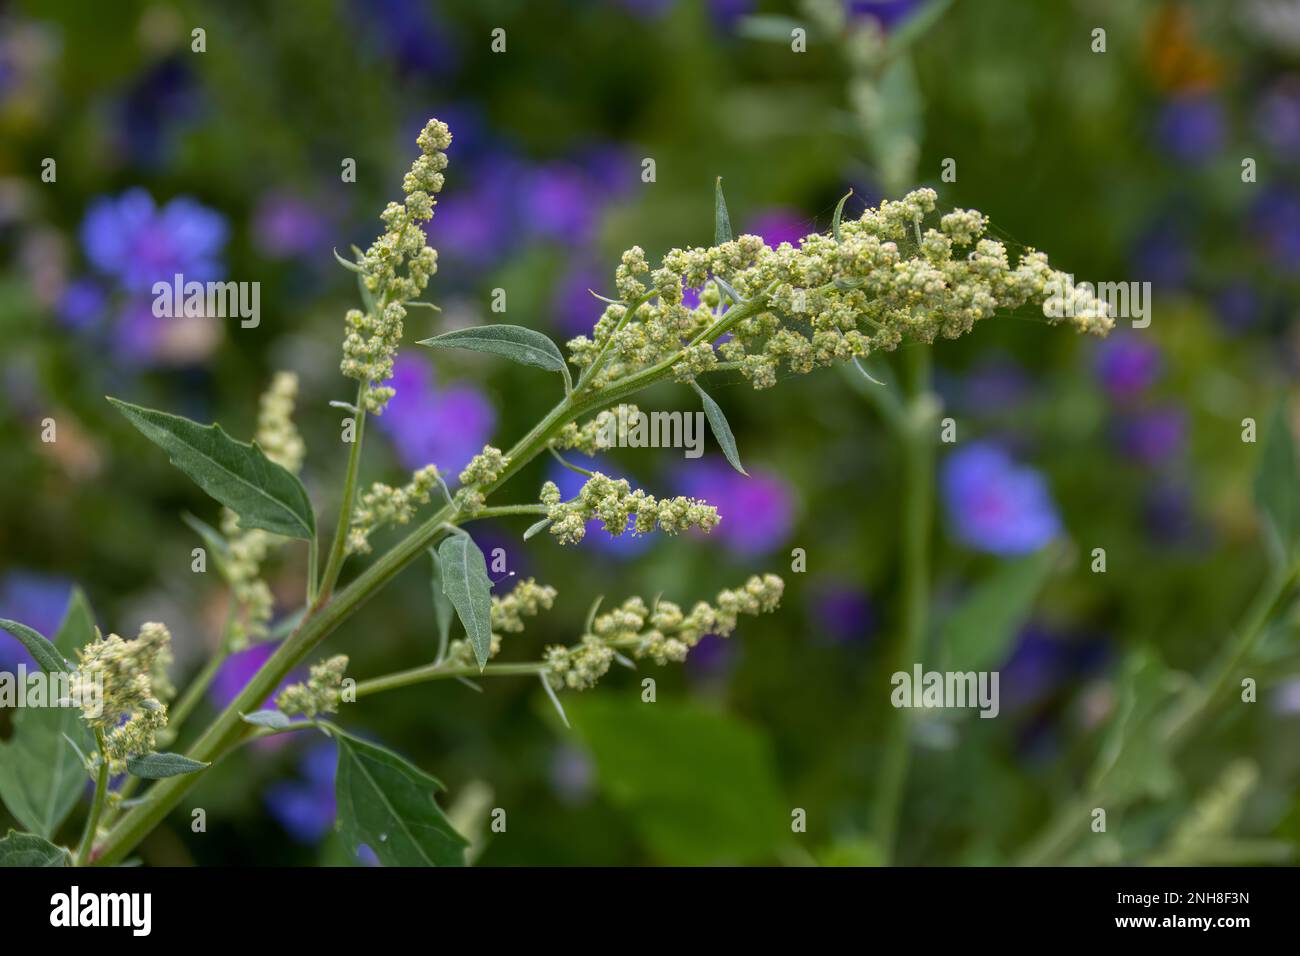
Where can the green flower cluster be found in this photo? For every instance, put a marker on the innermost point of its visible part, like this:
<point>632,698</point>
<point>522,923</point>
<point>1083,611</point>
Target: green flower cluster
<point>527,599</point>
<point>384,504</point>
<point>882,281</point>
<point>374,335</point>
<point>661,633</point>
<point>247,549</point>
<point>320,694</point>
<point>122,686</point>
<point>614,502</point>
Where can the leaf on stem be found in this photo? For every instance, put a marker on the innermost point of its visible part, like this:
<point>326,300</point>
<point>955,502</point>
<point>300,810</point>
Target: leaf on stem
<point>535,528</point>
<point>525,346</point>
<point>387,804</point>
<point>158,766</point>
<point>465,581</point>
<point>839,211</point>
<point>270,718</point>
<point>443,610</point>
<point>721,221</point>
<point>721,430</point>
<point>28,850</point>
<point>42,649</point>
<point>42,769</point>
<point>240,476</point>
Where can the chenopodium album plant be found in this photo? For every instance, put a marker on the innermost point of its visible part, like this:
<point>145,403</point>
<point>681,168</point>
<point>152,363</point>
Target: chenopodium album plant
<point>896,275</point>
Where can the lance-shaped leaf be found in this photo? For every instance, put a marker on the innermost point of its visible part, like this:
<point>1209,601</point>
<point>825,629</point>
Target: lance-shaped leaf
<point>271,719</point>
<point>465,581</point>
<point>978,635</point>
<point>839,211</point>
<point>721,221</point>
<point>41,772</point>
<point>240,476</point>
<point>443,611</point>
<point>1277,486</point>
<point>28,850</point>
<point>159,766</point>
<point>514,342</point>
<point>43,650</point>
<point>387,804</point>
<point>721,430</point>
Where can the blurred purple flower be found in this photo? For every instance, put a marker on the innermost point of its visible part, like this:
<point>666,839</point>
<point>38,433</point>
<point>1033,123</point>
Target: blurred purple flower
<point>1275,218</point>
<point>408,34</point>
<point>994,504</point>
<point>712,660</point>
<point>1277,120</point>
<point>161,99</point>
<point>83,304</point>
<point>35,599</point>
<point>573,308</point>
<point>725,13</point>
<point>1160,255</point>
<point>285,226</point>
<point>238,669</point>
<point>1150,436</point>
<point>776,226</point>
<point>1191,128</point>
<point>137,243</point>
<point>996,383</point>
<point>1043,660</point>
<point>475,226</point>
<point>1127,364</point>
<point>1168,513</point>
<point>560,203</point>
<point>305,806</point>
<point>1238,306</point>
<point>887,13</point>
<point>841,613</point>
<point>757,512</point>
<point>429,425</point>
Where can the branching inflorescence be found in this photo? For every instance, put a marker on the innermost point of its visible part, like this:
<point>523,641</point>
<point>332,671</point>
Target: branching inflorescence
<point>740,305</point>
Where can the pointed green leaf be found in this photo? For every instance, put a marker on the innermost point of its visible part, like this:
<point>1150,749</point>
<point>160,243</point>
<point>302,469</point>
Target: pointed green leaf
<point>26,849</point>
<point>43,650</point>
<point>240,476</point>
<point>159,766</point>
<point>443,611</point>
<point>1277,485</point>
<point>388,804</point>
<point>42,774</point>
<point>721,221</point>
<point>217,544</point>
<point>534,528</point>
<point>514,342</point>
<point>465,581</point>
<point>839,211</point>
<point>274,719</point>
<point>721,430</point>
<point>979,633</point>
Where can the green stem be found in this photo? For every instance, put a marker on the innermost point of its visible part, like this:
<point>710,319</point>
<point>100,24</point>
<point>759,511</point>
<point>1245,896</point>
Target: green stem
<point>195,691</point>
<point>918,447</point>
<point>334,564</point>
<point>504,511</point>
<point>96,804</point>
<point>313,556</point>
<point>431,672</point>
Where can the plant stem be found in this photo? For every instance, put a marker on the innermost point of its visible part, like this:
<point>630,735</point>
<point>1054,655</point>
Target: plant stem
<point>96,804</point>
<point>334,564</point>
<point>195,691</point>
<point>918,443</point>
<point>503,511</point>
<point>431,672</point>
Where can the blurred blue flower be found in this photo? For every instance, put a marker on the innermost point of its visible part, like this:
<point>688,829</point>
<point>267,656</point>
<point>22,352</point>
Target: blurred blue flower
<point>1238,306</point>
<point>408,34</point>
<point>1191,127</point>
<point>996,383</point>
<point>994,504</point>
<point>35,599</point>
<point>134,241</point>
<point>757,512</point>
<point>1151,436</point>
<point>475,225</point>
<point>712,660</point>
<point>1277,119</point>
<point>1044,659</point>
<point>83,304</point>
<point>1275,219</point>
<point>887,13</point>
<point>840,613</point>
<point>155,105</point>
<point>573,307</point>
<point>430,425</point>
<point>1127,364</point>
<point>305,806</point>
<point>1160,254</point>
<point>560,203</point>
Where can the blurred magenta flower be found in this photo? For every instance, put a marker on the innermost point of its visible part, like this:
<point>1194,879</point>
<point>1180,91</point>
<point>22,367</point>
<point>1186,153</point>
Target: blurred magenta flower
<point>994,504</point>
<point>780,225</point>
<point>35,599</point>
<point>137,243</point>
<point>1151,436</point>
<point>757,512</point>
<point>430,425</point>
<point>573,308</point>
<point>305,805</point>
<point>1128,363</point>
<point>1191,127</point>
